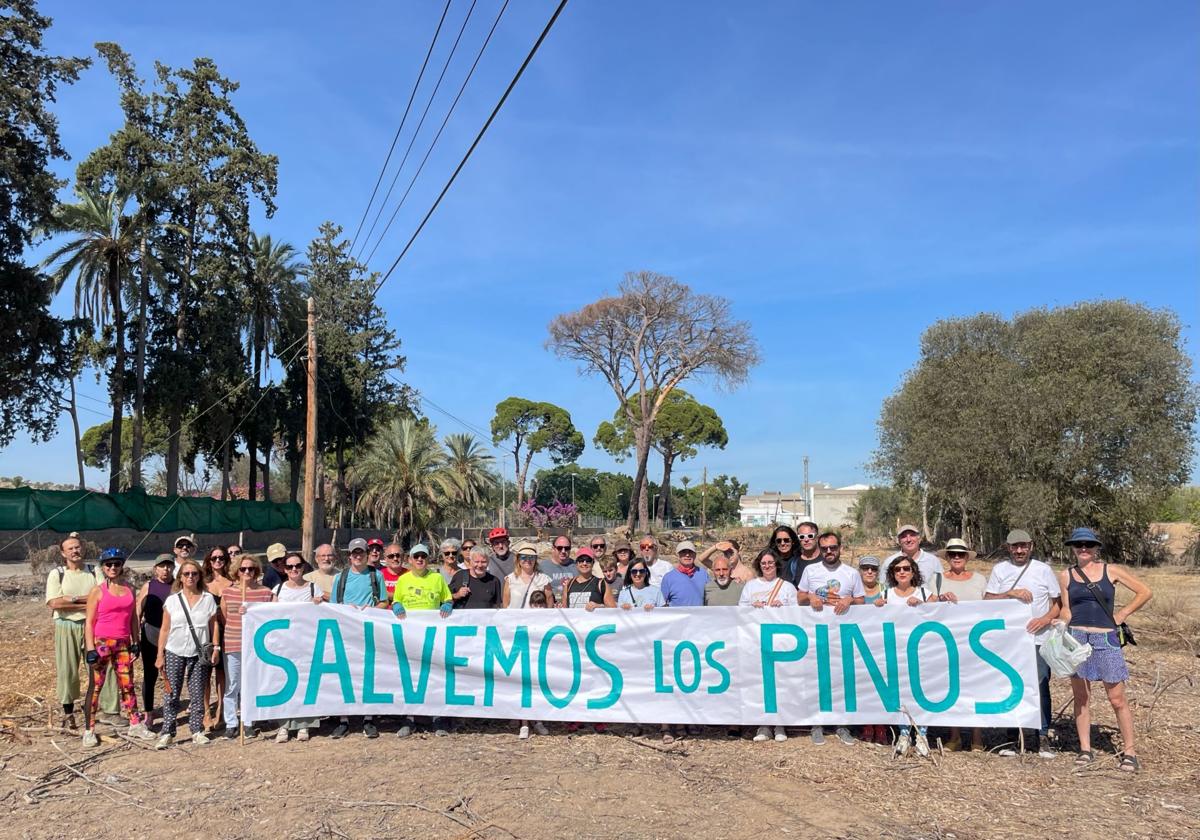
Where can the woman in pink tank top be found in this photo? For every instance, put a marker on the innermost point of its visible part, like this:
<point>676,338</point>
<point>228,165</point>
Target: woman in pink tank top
<point>109,633</point>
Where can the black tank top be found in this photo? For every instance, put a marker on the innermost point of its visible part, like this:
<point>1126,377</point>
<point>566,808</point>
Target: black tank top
<point>157,593</point>
<point>1086,609</point>
<point>579,594</point>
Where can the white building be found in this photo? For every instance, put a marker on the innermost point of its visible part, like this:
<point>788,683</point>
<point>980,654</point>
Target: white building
<point>829,506</point>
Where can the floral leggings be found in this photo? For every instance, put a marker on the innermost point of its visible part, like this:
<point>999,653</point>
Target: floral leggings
<point>114,652</point>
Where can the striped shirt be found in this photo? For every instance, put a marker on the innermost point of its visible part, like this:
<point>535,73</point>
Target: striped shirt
<point>231,599</point>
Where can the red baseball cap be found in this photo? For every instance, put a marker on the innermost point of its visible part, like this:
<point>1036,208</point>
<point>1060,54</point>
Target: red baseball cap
<point>375,541</point>
<point>497,534</point>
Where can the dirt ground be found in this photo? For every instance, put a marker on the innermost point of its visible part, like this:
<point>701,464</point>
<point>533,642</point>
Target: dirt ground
<point>483,783</point>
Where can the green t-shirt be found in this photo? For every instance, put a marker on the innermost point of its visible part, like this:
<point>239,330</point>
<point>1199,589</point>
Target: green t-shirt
<point>427,592</point>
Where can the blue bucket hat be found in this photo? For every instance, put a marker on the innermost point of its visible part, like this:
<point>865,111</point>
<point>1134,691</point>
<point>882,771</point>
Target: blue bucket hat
<point>1083,535</point>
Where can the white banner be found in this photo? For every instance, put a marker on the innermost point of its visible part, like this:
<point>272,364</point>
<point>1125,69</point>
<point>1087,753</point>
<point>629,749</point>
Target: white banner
<point>968,664</point>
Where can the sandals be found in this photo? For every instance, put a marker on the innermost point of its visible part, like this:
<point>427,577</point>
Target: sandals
<point>1129,763</point>
<point>1084,757</point>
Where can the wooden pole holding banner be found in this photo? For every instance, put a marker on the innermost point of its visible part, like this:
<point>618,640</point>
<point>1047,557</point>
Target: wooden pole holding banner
<point>309,525</point>
<point>242,606</point>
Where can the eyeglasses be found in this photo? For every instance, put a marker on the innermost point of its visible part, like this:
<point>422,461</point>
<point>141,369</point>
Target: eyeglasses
<point>248,570</point>
<point>189,574</point>
<point>394,555</point>
<point>638,572</point>
<point>293,566</point>
<point>113,564</point>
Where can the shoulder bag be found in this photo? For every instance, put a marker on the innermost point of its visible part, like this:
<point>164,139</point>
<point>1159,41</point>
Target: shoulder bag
<point>1124,631</point>
<point>204,650</point>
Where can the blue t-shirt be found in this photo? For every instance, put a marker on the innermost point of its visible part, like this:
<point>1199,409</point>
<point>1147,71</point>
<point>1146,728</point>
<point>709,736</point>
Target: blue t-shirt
<point>679,590</point>
<point>358,588</point>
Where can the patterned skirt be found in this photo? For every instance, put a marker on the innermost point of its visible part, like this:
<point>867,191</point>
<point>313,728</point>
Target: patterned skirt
<point>1107,662</point>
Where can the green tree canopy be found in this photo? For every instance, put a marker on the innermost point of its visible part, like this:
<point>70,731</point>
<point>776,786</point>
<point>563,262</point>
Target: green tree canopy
<point>1083,414</point>
<point>535,427</point>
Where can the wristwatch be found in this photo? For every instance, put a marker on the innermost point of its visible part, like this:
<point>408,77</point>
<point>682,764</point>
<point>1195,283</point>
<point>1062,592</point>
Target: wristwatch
<point>216,647</point>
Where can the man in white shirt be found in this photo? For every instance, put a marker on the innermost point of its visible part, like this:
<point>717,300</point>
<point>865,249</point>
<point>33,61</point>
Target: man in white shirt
<point>1032,582</point>
<point>657,566</point>
<point>830,583</point>
<point>908,537</point>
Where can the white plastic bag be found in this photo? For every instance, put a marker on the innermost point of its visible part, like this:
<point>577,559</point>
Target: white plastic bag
<point>1062,652</point>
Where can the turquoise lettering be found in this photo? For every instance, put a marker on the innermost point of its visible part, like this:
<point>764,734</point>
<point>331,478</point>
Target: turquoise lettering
<point>994,707</point>
<point>328,627</point>
<point>887,688</point>
<point>710,656</point>
<point>576,667</point>
<point>770,657</point>
<point>824,676</point>
<point>685,687</point>
<point>614,674</point>
<point>493,653</point>
<point>914,666</point>
<point>291,677</point>
<point>413,693</point>
<point>454,633</point>
<point>660,684</point>
<point>370,695</point>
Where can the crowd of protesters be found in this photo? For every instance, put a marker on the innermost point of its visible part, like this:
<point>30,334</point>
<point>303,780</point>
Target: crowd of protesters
<point>185,622</point>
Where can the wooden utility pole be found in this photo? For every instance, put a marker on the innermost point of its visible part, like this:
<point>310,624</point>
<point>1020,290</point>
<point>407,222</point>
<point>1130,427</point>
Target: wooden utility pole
<point>704,504</point>
<point>308,534</point>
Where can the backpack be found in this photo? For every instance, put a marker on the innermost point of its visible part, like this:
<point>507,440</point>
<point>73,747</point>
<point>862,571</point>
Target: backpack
<point>339,594</point>
<point>62,572</point>
<point>312,593</point>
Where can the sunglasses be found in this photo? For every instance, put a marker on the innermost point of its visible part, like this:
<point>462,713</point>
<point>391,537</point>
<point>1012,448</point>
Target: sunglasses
<point>235,552</point>
<point>292,566</point>
<point>899,569</point>
<point>562,548</point>
<point>646,545</point>
<point>248,570</point>
<point>638,572</point>
<point>468,546</point>
<point>584,560</point>
<point>418,556</point>
<point>956,554</point>
<point>444,554</point>
<point>599,545</point>
<point>218,558</point>
<point>114,564</point>
<point>784,540</point>
<point>394,556</point>
<point>1087,545</point>
<point>189,574</point>
<point>829,549</point>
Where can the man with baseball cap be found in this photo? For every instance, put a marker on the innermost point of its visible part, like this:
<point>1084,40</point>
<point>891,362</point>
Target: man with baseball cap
<point>184,548</point>
<point>501,562</point>
<point>275,573</point>
<point>375,552</point>
<point>684,585</point>
<point>361,585</point>
<point>908,537</point>
<point>422,589</point>
<point>1030,581</point>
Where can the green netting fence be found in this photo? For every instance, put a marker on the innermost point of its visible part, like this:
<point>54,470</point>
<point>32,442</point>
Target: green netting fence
<point>23,509</point>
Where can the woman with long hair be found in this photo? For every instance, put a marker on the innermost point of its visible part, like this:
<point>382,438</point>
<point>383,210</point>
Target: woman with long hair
<point>905,588</point>
<point>216,580</point>
<point>299,591</point>
<point>247,592</point>
<point>191,644</point>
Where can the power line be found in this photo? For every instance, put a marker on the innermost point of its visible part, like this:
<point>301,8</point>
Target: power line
<point>392,148</point>
<point>421,122</point>
<point>532,52</point>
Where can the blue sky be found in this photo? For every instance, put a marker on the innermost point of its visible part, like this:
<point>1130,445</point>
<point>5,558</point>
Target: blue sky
<point>847,174</point>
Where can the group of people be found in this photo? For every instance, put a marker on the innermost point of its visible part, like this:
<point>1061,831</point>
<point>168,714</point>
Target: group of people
<point>185,622</point>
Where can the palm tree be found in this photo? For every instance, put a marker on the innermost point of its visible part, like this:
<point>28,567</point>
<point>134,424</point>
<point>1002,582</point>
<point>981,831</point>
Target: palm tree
<point>272,298</point>
<point>403,477</point>
<point>99,257</point>
<point>469,469</point>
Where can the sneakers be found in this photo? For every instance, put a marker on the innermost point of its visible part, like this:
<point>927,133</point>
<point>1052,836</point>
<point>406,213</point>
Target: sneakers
<point>200,739</point>
<point>340,731</point>
<point>843,735</point>
<point>302,735</point>
<point>404,731</point>
<point>1047,753</point>
<point>1007,752</point>
<point>763,734</point>
<point>922,745</point>
<point>780,734</point>
<point>90,739</point>
<point>231,733</point>
<point>539,728</point>
<point>281,737</point>
<point>140,730</point>
<point>523,733</point>
<point>818,735</point>
<point>370,730</point>
<point>440,732</point>
<point>901,745</point>
<point>164,741</point>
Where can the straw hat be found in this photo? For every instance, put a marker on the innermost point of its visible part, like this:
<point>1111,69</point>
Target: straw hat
<point>956,545</point>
